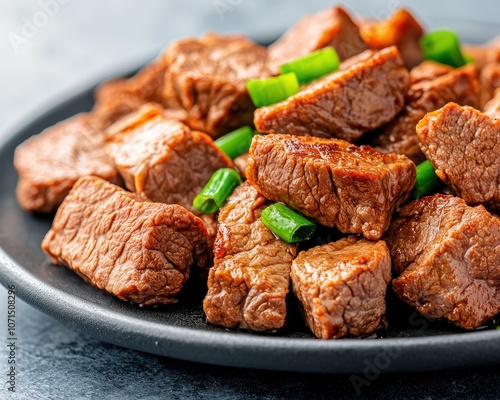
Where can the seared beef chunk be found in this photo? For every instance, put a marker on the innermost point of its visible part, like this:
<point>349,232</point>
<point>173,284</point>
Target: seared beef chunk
<point>329,27</point>
<point>489,82</point>
<point>492,108</point>
<point>353,188</point>
<point>51,162</point>
<point>483,54</point>
<point>487,60</point>
<point>427,71</point>
<point>206,79</point>
<point>109,109</point>
<point>343,104</point>
<point>462,144</point>
<point>399,135</point>
<point>420,224</point>
<point>161,159</point>
<point>248,284</point>
<point>140,252</point>
<point>401,30</point>
<point>120,97</point>
<point>341,287</point>
<point>240,164</point>
<point>449,257</point>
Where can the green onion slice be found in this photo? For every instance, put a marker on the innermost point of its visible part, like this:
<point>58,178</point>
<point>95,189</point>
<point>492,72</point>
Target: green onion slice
<point>265,92</point>
<point>313,65</point>
<point>427,180</point>
<point>236,142</point>
<point>217,190</point>
<point>442,46</point>
<point>287,224</point>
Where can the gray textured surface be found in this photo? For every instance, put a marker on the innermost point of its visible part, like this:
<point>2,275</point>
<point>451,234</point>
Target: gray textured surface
<point>87,40</point>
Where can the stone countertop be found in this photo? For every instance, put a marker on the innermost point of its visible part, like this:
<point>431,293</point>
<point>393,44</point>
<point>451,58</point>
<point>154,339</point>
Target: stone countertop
<point>49,49</point>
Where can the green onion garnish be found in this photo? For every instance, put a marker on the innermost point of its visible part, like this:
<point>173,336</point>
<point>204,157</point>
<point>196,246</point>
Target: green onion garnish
<point>236,142</point>
<point>217,190</point>
<point>287,224</point>
<point>265,92</point>
<point>313,65</point>
<point>442,46</point>
<point>427,180</point>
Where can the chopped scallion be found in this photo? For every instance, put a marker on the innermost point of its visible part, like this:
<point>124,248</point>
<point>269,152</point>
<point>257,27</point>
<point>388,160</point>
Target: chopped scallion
<point>265,92</point>
<point>313,65</point>
<point>287,224</point>
<point>236,142</point>
<point>217,190</point>
<point>427,180</point>
<point>442,46</point>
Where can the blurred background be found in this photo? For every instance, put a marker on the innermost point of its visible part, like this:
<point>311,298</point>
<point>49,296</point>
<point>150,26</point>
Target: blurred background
<point>50,48</point>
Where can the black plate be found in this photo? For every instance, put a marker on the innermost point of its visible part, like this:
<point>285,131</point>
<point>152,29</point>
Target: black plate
<point>412,343</point>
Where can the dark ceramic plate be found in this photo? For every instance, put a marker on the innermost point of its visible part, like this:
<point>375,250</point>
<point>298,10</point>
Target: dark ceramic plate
<point>412,343</point>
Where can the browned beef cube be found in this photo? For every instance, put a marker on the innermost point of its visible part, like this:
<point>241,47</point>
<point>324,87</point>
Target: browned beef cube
<point>140,252</point>
<point>492,108</point>
<point>401,30</point>
<point>341,287</point>
<point>483,54</point>
<point>50,163</point>
<point>487,60</point>
<point>399,136</point>
<point>240,164</point>
<point>117,98</point>
<point>248,284</point>
<point>343,104</point>
<point>417,226</point>
<point>449,257</point>
<point>489,79</point>
<point>108,110</point>
<point>353,188</point>
<point>161,159</point>
<point>206,79</point>
<point>462,145</point>
<point>330,27</point>
<point>427,71</point>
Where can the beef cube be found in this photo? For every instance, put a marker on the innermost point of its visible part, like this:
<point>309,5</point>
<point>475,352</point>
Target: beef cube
<point>487,60</point>
<point>449,257</point>
<point>330,27</point>
<point>416,227</point>
<point>399,136</point>
<point>139,252</point>
<point>248,284</point>
<point>483,54</point>
<point>492,108</point>
<point>50,163</point>
<point>353,188</point>
<point>240,164</point>
<point>341,287</point>
<point>462,145</point>
<point>401,30</point>
<point>206,79</point>
<point>109,109</point>
<point>119,97</point>
<point>427,71</point>
<point>343,104</point>
<point>161,159</point>
<point>489,79</point>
